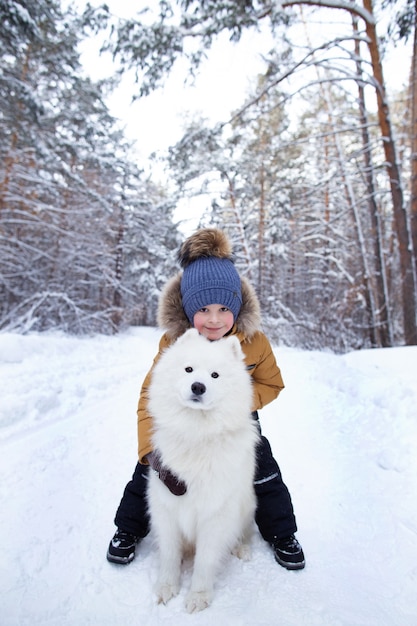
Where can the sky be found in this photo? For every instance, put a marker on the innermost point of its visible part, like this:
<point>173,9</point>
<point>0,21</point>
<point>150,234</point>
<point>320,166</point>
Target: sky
<point>344,432</point>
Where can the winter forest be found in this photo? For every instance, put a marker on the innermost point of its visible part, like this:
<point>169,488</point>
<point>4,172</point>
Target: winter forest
<point>314,176</point>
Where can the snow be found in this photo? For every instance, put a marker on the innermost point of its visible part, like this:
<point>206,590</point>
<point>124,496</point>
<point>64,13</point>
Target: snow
<point>344,432</point>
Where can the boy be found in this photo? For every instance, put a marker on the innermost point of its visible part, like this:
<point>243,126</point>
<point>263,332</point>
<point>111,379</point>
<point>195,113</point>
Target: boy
<point>210,295</point>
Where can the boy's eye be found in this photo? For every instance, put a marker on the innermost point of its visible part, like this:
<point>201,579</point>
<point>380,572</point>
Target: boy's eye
<point>188,370</point>
<point>214,375</point>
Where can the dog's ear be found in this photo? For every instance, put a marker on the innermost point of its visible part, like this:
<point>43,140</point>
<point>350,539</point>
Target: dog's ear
<point>190,334</point>
<point>235,346</point>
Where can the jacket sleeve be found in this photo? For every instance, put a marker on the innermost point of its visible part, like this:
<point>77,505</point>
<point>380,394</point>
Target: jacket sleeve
<point>144,418</point>
<point>266,375</point>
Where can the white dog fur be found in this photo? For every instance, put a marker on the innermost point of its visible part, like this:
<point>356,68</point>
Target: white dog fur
<point>208,439</point>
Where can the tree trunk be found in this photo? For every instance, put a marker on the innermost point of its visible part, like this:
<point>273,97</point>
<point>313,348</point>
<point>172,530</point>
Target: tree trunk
<point>246,271</point>
<point>383,324</point>
<point>261,234</point>
<point>413,133</point>
<point>400,216</point>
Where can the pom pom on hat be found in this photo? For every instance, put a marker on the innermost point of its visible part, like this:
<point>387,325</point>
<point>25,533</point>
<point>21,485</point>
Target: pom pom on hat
<point>209,276</point>
<point>207,242</point>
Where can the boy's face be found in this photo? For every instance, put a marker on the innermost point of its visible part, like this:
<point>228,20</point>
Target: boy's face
<point>213,321</point>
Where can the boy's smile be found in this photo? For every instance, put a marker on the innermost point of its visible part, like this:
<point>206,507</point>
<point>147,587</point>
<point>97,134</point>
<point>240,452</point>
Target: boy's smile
<point>213,321</point>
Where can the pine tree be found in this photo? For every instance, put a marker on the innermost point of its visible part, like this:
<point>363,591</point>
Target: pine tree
<point>64,179</point>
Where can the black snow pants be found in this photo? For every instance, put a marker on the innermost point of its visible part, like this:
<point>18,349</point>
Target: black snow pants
<point>274,514</point>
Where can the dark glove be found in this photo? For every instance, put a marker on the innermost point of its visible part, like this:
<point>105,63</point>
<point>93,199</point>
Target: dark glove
<point>174,484</point>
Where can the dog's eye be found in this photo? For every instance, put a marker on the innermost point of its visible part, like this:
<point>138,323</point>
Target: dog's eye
<point>214,375</point>
<point>188,370</point>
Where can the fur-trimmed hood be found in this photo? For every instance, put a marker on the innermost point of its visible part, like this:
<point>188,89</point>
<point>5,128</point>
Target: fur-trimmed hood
<point>172,318</point>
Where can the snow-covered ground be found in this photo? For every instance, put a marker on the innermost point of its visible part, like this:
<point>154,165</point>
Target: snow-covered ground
<point>344,432</point>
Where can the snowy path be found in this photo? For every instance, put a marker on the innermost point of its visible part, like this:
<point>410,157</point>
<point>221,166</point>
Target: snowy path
<point>344,432</point>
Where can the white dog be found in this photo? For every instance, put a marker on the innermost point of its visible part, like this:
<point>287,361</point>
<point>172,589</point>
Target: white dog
<point>200,399</point>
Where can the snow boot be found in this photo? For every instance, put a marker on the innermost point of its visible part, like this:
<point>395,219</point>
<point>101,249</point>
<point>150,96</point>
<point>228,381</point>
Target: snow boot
<point>122,547</point>
<point>288,552</point>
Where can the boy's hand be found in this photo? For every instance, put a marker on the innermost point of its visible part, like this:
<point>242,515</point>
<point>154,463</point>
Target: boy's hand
<point>174,484</point>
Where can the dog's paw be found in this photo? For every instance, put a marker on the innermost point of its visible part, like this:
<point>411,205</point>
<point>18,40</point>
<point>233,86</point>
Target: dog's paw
<point>243,551</point>
<point>166,591</point>
<point>198,601</point>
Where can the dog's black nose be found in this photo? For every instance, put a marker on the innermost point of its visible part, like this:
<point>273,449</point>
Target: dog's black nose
<point>198,389</point>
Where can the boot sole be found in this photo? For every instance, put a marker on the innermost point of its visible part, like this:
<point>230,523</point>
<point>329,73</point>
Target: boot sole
<point>120,560</point>
<point>290,566</point>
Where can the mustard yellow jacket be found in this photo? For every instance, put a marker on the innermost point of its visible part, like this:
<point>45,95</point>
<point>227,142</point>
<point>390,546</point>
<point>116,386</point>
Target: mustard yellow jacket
<point>259,358</point>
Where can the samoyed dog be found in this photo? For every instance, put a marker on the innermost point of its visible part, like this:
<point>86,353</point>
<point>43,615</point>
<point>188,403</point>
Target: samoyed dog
<point>200,398</point>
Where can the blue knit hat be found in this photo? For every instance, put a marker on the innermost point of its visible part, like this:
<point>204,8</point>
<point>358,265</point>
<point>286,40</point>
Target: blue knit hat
<point>210,280</point>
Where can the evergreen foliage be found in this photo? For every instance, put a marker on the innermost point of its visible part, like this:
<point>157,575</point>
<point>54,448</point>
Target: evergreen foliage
<point>74,209</point>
